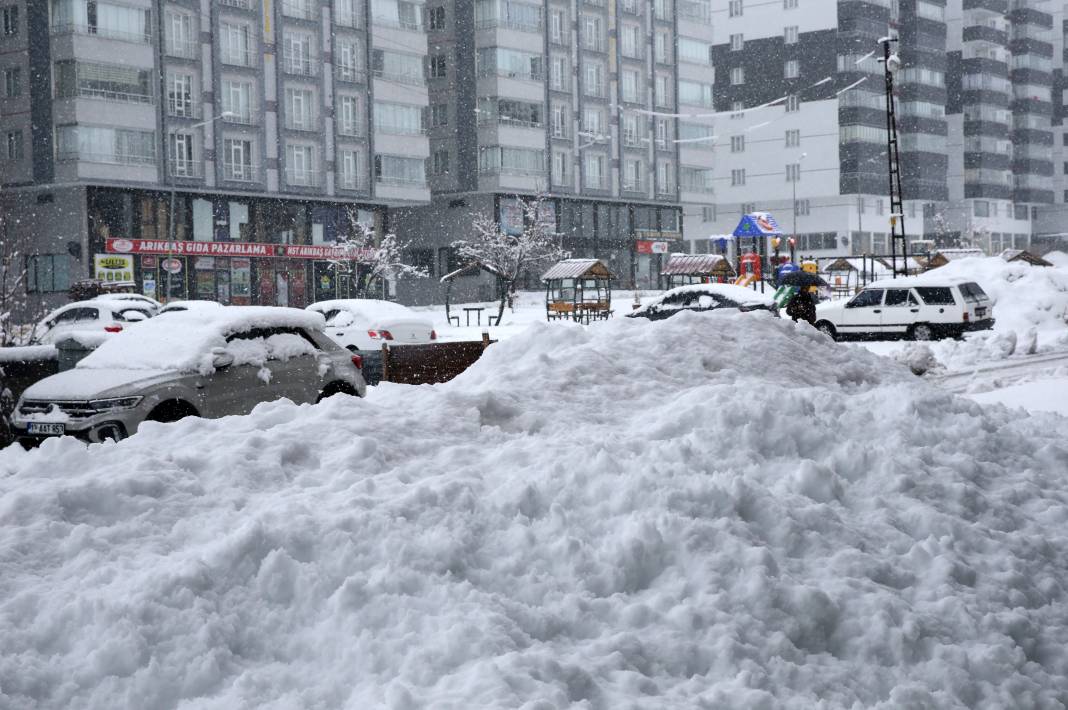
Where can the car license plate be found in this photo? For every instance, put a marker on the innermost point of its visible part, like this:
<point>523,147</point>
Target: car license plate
<point>48,429</point>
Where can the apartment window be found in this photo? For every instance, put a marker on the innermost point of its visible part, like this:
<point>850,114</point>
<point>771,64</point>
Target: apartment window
<point>662,10</point>
<point>737,75</point>
<point>791,69</point>
<point>181,37</point>
<point>665,177</point>
<point>734,8</point>
<point>12,82</point>
<point>593,173</point>
<point>439,115</point>
<point>436,18</point>
<point>737,109</point>
<point>110,82</point>
<point>662,47</point>
<point>592,32</point>
<point>47,273</point>
<point>511,161</point>
<point>558,73</point>
<point>299,109</point>
<point>300,168</point>
<point>737,42</point>
<point>594,84</point>
<point>180,96</point>
<point>661,132</point>
<point>235,44</point>
<point>510,63</point>
<point>789,4</point>
<point>789,34</point>
<point>695,93</point>
<point>237,101</point>
<point>802,208</point>
<point>346,13</point>
<point>630,130</point>
<point>9,21</point>
<point>349,116</point>
<point>708,214</point>
<point>662,88</point>
<point>102,144</point>
<point>398,13</point>
<point>633,170</point>
<point>738,177</point>
<point>748,207</point>
<point>793,138</point>
<point>440,162</point>
<point>630,42</point>
<point>629,82</point>
<point>13,145</point>
<point>180,145</point>
<point>438,68</point>
<point>560,120</point>
<point>737,144</point>
<point>347,61</point>
<point>556,26</point>
<point>793,103</point>
<point>398,119</point>
<point>695,179</point>
<point>103,19</point>
<point>560,167</point>
<point>981,208</point>
<point>297,54</point>
<point>237,160</point>
<point>793,172</point>
<point>694,51</point>
<point>592,122</point>
<point>349,169</point>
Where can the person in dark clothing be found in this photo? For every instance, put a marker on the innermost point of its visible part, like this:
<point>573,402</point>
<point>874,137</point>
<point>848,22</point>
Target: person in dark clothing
<point>802,307</point>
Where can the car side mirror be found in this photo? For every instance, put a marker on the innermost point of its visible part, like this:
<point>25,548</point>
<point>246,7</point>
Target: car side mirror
<point>134,316</point>
<point>221,358</point>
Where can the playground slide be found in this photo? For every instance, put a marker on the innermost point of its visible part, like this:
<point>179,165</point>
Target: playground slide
<point>745,280</point>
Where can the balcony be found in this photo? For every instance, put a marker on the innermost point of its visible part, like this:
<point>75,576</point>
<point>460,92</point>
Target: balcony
<point>632,184</point>
<point>184,109</point>
<point>238,57</point>
<point>183,48</point>
<point>352,182</point>
<point>299,9</point>
<point>510,23</point>
<point>241,173</point>
<point>88,90</point>
<point>248,117</point>
<point>182,169</point>
<point>400,77</point>
<point>301,66</point>
<point>413,23</point>
<point>107,158</point>
<point>401,181</point>
<point>104,32</point>
<point>354,129</point>
<point>303,178</point>
<point>302,123</point>
<point>350,75</point>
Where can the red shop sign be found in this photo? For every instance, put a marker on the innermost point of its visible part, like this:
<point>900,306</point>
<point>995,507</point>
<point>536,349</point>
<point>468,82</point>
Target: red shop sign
<point>238,249</point>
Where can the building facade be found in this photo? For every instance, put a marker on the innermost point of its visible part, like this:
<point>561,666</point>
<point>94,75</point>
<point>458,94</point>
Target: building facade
<point>152,128</point>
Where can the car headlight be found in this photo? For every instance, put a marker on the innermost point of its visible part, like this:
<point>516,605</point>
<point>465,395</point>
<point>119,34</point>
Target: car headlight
<point>104,405</point>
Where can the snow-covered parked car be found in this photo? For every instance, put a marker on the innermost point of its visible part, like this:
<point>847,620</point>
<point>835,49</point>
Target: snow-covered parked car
<point>94,315</point>
<point>705,297</point>
<point>133,298</point>
<point>208,363</point>
<point>183,306</point>
<point>920,307</point>
<point>367,323</point>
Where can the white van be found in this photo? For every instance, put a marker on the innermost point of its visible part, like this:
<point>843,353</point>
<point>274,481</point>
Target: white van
<point>921,308</point>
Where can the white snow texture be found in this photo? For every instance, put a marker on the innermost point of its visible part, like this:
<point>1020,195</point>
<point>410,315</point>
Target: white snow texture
<point>711,511</point>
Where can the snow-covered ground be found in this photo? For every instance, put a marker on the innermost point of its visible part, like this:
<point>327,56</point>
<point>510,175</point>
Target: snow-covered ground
<point>711,511</point>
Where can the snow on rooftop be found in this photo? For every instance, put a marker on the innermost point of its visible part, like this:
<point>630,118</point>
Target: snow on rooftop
<point>181,340</point>
<point>639,514</point>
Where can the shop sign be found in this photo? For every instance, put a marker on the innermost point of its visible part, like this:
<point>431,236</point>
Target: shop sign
<point>647,247</point>
<point>511,209</point>
<point>149,288</point>
<point>163,247</point>
<point>148,262</point>
<point>206,263</point>
<point>171,266</point>
<point>114,268</point>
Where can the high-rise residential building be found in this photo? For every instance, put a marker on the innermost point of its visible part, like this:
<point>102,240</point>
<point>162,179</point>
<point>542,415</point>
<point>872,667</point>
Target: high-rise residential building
<point>267,129</point>
<point>801,121</point>
<point>575,101</point>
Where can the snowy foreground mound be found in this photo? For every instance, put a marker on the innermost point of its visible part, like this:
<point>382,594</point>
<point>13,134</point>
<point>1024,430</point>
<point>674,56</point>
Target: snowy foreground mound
<point>704,512</point>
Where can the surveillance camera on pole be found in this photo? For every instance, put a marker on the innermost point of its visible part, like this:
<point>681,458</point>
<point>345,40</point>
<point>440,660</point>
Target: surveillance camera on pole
<point>891,62</point>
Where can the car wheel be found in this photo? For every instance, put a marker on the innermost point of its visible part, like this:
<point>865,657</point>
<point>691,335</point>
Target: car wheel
<point>922,331</point>
<point>336,388</point>
<point>827,328</point>
<point>172,411</point>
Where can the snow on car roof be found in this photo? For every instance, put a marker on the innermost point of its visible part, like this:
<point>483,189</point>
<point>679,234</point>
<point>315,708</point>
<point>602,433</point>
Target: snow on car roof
<point>182,340</point>
<point>931,278</point>
<point>368,308</point>
<point>735,293</point>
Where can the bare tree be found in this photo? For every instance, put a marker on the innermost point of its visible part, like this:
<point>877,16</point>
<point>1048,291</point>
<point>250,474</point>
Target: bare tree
<point>12,288</point>
<point>511,255</point>
<point>371,261</point>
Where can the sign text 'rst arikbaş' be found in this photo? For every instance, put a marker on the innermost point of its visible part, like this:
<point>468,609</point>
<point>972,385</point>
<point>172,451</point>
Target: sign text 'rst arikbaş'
<point>241,249</point>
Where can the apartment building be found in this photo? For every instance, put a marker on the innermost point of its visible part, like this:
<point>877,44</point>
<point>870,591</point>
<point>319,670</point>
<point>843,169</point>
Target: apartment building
<point>217,146</point>
<point>800,121</point>
<point>573,100</point>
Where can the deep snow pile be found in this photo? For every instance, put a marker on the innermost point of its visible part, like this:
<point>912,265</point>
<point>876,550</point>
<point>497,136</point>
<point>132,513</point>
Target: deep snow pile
<point>707,511</point>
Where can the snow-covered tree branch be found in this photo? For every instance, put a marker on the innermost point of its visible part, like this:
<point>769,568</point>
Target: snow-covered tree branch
<point>373,261</point>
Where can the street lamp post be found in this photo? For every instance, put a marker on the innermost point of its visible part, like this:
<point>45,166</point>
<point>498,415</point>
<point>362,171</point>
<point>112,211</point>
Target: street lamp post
<point>891,64</point>
<point>170,214</point>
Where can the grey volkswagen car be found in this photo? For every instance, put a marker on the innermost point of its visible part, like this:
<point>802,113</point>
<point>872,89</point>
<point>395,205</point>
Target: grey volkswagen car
<point>207,363</point>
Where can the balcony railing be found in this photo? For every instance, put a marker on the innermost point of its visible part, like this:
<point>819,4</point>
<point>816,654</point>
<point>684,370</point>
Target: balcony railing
<point>300,66</point>
<point>351,75</point>
<point>240,4</point>
<point>186,169</point>
<point>302,123</point>
<point>303,178</point>
<point>105,32</point>
<point>348,181</point>
<point>509,24</point>
<point>238,57</point>
<point>402,23</point>
<point>401,181</point>
<point>246,118</point>
<point>354,129</point>
<point>300,9</point>
<point>241,172</point>
<point>399,77</point>
<point>102,94</point>
<point>393,129</point>
<point>184,48</point>
<point>632,185</point>
<point>184,109</point>
<point>107,158</point>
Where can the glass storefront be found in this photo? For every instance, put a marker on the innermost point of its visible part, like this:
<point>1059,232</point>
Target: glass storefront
<point>266,279</point>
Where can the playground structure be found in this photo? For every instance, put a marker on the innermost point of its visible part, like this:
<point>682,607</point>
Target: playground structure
<point>686,269</point>
<point>579,290</point>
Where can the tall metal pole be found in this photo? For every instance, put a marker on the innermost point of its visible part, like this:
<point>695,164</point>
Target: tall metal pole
<point>891,63</point>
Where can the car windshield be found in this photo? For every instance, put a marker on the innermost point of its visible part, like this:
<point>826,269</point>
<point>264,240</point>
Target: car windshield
<point>936,295</point>
<point>865,299</point>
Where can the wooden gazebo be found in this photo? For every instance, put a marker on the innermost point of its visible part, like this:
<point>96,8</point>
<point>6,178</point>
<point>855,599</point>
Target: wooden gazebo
<point>1011,255</point>
<point>469,268</point>
<point>686,269</point>
<point>578,289</point>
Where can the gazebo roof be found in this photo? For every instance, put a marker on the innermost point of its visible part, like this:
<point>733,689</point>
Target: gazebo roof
<point>468,268</point>
<point>1025,256</point>
<point>577,269</point>
<point>695,265</point>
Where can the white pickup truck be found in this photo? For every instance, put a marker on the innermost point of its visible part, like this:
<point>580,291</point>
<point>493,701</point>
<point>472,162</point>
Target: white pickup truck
<point>921,308</point>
